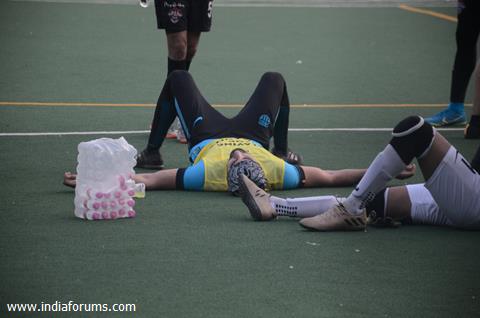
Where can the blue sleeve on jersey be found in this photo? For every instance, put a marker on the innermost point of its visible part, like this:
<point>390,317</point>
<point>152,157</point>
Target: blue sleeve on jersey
<point>194,177</point>
<point>291,179</point>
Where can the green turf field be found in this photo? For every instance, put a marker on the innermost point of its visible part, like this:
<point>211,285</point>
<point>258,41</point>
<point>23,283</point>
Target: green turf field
<point>200,254</point>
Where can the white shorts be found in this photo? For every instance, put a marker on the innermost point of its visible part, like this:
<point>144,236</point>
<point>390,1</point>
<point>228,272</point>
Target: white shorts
<point>424,209</point>
<point>455,188</point>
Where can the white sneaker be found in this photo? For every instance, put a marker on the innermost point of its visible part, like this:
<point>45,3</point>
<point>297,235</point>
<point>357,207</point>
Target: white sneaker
<point>337,218</point>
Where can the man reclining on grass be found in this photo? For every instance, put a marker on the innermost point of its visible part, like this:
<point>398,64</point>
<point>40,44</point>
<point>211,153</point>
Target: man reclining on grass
<point>450,195</point>
<point>221,149</point>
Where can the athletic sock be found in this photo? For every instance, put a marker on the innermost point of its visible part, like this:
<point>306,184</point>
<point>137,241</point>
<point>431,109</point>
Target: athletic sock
<point>456,107</point>
<point>176,65</point>
<point>187,64</point>
<point>384,167</point>
<point>303,207</point>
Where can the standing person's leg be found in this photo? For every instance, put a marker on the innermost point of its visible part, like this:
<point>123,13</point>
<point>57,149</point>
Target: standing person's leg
<point>172,16</point>
<point>468,28</point>
<point>177,51</point>
<point>182,47</point>
<point>472,131</point>
<point>175,17</point>
<point>199,20</point>
<point>193,39</point>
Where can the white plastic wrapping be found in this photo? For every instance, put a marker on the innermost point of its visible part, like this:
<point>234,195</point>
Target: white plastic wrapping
<point>105,189</point>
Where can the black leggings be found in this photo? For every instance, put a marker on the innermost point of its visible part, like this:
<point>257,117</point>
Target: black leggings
<point>264,116</point>
<point>468,28</point>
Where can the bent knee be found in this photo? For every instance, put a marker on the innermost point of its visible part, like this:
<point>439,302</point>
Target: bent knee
<point>412,137</point>
<point>273,76</point>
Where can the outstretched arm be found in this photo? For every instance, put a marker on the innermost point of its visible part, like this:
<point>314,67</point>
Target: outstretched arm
<point>160,180</point>
<point>316,177</point>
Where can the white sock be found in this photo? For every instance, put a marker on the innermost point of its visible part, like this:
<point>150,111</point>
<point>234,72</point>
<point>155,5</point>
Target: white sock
<point>384,167</point>
<point>303,207</point>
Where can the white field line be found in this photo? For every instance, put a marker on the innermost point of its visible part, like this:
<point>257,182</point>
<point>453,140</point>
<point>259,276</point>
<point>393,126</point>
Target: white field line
<point>131,132</point>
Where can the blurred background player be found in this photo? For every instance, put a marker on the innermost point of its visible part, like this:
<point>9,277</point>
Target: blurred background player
<point>468,28</point>
<point>472,131</point>
<point>183,22</point>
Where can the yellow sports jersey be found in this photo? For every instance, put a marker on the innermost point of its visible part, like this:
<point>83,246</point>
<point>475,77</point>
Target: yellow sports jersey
<point>216,154</point>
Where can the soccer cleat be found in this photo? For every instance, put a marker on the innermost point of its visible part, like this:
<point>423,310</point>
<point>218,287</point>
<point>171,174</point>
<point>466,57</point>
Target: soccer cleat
<point>256,200</point>
<point>149,160</point>
<point>447,117</point>
<point>472,132</point>
<point>337,218</point>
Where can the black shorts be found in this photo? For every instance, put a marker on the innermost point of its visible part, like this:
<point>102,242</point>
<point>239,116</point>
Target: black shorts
<point>184,15</point>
